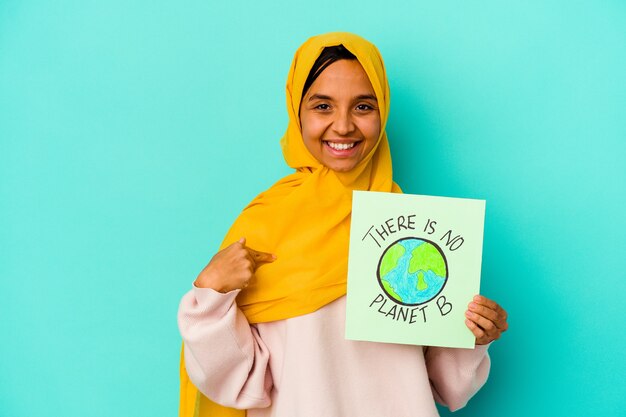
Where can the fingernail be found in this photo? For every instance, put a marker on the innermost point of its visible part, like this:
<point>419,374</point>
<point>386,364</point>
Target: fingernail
<point>473,305</point>
<point>468,314</point>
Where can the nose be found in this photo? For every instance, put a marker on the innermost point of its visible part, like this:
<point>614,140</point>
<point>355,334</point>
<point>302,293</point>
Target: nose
<point>343,124</point>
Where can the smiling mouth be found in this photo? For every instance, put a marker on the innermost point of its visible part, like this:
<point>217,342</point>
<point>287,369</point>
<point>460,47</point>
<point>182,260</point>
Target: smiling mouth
<point>341,146</point>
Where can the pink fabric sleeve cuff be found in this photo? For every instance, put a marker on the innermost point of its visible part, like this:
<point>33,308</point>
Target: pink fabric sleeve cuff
<point>214,302</point>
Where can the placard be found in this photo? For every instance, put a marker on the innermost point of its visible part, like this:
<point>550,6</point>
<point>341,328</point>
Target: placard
<point>413,268</point>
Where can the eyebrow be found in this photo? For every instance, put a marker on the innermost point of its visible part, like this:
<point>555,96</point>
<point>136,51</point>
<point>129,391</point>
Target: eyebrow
<point>367,97</point>
<point>319,97</point>
<point>325,97</point>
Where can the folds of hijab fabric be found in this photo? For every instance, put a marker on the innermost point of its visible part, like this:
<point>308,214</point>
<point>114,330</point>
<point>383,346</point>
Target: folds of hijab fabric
<point>305,217</point>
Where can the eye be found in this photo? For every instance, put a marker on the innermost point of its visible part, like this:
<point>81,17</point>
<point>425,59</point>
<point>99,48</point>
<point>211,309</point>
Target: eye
<point>322,106</point>
<point>364,107</point>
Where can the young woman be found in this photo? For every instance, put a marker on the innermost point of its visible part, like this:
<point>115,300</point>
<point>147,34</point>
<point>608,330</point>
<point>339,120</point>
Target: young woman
<point>263,326</point>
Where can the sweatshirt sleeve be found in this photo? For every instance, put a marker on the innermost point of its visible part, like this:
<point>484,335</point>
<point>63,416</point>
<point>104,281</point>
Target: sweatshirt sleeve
<point>456,374</point>
<point>225,357</point>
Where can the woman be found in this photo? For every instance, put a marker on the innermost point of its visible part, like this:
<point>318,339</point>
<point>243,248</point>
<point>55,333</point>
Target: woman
<point>263,328</point>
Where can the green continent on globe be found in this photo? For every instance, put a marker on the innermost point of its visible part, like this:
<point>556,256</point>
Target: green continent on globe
<point>421,283</point>
<point>390,290</point>
<point>391,258</point>
<point>425,257</point>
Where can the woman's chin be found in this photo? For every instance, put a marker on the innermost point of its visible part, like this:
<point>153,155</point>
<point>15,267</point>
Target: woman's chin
<point>341,165</point>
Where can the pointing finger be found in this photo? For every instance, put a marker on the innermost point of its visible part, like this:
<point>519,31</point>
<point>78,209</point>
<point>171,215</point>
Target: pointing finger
<point>261,257</point>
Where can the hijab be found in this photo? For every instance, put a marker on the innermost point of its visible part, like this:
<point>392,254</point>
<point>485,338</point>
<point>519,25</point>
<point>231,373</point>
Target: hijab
<point>304,218</point>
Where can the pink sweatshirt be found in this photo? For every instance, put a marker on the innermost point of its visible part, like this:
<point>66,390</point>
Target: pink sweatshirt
<point>304,366</point>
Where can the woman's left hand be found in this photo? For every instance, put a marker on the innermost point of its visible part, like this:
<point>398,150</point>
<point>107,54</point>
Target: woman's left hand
<point>486,319</point>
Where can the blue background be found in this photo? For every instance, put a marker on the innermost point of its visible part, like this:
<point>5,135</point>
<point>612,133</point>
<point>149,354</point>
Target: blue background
<point>132,133</point>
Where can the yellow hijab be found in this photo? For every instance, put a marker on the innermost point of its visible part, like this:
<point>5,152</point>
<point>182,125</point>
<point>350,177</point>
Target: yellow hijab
<point>305,217</point>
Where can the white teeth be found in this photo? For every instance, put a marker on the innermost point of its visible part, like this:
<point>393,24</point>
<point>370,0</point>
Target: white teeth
<point>341,146</point>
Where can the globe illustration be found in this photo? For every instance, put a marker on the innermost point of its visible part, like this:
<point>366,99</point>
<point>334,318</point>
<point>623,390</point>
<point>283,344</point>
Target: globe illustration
<point>412,271</point>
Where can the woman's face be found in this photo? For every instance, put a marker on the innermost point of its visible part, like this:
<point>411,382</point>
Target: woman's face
<point>339,116</point>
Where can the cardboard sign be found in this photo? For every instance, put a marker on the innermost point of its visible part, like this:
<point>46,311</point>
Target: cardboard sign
<point>414,267</point>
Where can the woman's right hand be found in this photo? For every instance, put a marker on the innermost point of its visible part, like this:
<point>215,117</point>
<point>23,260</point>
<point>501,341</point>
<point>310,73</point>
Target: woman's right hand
<point>232,268</point>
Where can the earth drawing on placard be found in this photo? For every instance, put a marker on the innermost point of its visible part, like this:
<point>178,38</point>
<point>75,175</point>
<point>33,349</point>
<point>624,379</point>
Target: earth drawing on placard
<point>412,271</point>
